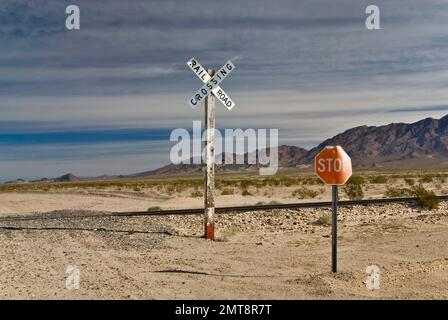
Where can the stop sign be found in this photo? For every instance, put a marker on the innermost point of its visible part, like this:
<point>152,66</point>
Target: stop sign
<point>333,166</point>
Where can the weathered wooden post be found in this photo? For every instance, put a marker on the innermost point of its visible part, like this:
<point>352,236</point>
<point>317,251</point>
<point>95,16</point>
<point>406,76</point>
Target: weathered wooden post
<point>208,93</point>
<point>209,179</point>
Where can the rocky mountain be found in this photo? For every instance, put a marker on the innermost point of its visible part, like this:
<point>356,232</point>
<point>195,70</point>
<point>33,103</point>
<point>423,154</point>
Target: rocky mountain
<point>423,144</point>
<point>67,178</point>
<point>419,145</point>
<point>64,178</point>
<point>287,157</point>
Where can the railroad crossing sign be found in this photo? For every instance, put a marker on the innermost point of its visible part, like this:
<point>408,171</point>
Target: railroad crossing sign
<point>207,93</point>
<point>334,167</point>
<point>211,84</point>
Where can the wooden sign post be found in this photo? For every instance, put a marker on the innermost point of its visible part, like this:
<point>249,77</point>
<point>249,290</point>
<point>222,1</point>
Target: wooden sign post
<point>334,167</point>
<point>209,92</point>
<point>209,178</point>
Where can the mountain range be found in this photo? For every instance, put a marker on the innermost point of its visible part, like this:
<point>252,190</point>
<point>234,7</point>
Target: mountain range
<point>419,145</point>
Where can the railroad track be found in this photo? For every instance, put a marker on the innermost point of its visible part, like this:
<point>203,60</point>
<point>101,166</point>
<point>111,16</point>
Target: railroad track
<point>196,211</point>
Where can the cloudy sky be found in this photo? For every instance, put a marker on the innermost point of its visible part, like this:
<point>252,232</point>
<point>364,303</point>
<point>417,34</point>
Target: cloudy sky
<point>104,99</point>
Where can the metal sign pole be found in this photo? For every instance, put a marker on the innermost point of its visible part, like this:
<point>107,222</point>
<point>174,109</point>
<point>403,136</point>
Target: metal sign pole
<point>334,167</point>
<point>209,179</point>
<point>334,229</point>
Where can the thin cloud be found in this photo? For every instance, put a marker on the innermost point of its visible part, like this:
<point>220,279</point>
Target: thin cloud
<point>309,68</point>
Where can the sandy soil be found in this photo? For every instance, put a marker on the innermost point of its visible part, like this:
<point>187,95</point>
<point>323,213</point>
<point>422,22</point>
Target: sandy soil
<point>112,200</point>
<point>281,254</point>
<point>29,202</point>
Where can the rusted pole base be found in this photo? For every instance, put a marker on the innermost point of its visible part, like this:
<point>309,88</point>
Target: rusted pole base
<point>209,231</point>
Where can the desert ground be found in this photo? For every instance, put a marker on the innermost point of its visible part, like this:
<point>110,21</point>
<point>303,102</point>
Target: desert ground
<point>280,254</point>
<point>277,254</point>
<point>179,193</point>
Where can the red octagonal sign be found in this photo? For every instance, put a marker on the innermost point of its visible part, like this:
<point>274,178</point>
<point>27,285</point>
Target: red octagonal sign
<point>333,166</point>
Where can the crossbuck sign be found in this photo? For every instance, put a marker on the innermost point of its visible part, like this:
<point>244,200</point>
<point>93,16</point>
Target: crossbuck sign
<point>207,94</point>
<point>211,84</point>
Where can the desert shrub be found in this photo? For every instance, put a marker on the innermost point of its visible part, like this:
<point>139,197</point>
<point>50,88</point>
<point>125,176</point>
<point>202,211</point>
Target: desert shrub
<point>311,181</point>
<point>325,219</point>
<point>409,181</point>
<point>262,203</point>
<point>288,182</point>
<point>244,184</point>
<point>425,199</point>
<point>137,189</point>
<point>155,208</point>
<point>398,192</point>
<point>262,183</point>
<point>227,234</point>
<point>227,191</point>
<point>196,194</point>
<point>246,193</point>
<point>426,178</point>
<point>304,193</point>
<point>353,188</point>
<point>442,179</point>
<point>379,179</point>
<point>170,189</point>
<point>356,180</point>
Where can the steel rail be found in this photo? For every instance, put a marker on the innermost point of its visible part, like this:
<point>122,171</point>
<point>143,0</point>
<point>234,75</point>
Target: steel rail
<point>197,211</point>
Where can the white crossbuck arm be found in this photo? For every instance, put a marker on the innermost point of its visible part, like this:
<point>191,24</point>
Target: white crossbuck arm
<point>211,84</point>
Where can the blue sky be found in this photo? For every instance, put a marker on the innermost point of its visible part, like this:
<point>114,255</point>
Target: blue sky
<point>103,100</point>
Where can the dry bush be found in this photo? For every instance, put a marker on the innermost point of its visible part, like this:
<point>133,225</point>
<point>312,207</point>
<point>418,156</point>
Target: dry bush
<point>409,181</point>
<point>262,203</point>
<point>393,192</point>
<point>379,179</point>
<point>426,178</point>
<point>325,219</point>
<point>196,194</point>
<point>305,193</point>
<point>227,191</point>
<point>442,179</point>
<point>425,199</point>
<point>353,188</point>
